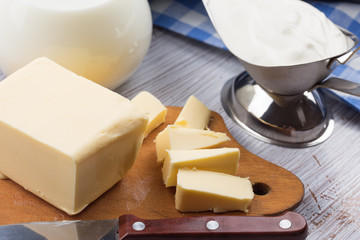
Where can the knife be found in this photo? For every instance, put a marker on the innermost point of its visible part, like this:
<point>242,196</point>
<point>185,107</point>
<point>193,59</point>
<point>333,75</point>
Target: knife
<point>288,226</point>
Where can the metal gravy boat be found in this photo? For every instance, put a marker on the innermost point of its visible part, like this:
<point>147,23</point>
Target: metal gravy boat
<point>282,104</point>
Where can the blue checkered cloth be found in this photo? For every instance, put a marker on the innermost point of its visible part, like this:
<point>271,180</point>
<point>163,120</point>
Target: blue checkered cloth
<point>189,18</point>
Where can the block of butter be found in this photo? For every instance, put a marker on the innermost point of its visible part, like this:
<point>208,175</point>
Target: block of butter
<point>198,191</point>
<point>152,107</point>
<point>193,115</point>
<point>63,137</point>
<point>224,160</point>
<point>175,137</point>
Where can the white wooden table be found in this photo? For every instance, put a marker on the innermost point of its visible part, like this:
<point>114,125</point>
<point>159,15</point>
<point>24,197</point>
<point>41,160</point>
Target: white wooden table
<point>176,67</point>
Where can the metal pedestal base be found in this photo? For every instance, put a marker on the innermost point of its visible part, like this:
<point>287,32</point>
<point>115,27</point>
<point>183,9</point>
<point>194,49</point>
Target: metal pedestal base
<point>291,121</point>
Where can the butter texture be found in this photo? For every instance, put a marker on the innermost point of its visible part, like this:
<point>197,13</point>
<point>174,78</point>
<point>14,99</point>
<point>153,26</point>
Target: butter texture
<point>198,191</point>
<point>224,160</point>
<point>177,138</point>
<point>65,138</point>
<point>153,108</point>
<point>194,114</point>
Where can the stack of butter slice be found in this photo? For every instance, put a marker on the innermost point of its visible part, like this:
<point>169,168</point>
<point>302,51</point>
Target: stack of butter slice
<point>203,173</point>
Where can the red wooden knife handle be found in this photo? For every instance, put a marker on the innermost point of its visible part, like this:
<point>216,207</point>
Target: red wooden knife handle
<point>288,226</point>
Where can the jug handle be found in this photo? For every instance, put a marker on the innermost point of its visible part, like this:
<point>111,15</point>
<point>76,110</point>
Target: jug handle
<point>343,59</point>
<point>341,85</point>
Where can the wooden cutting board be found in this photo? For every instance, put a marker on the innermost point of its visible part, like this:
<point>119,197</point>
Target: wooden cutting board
<point>143,193</point>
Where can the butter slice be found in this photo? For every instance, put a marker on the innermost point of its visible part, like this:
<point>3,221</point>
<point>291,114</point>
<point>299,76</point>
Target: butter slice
<point>180,138</point>
<point>153,108</point>
<point>198,191</point>
<point>63,137</point>
<point>193,115</point>
<point>225,160</point>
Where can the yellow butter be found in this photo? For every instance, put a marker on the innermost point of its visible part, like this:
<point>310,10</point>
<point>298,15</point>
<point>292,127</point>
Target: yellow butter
<point>63,137</point>
<point>193,115</point>
<point>224,160</point>
<point>152,107</point>
<point>175,137</point>
<point>198,191</point>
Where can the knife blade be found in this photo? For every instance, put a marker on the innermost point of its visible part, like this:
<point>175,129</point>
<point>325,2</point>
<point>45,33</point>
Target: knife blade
<point>288,226</point>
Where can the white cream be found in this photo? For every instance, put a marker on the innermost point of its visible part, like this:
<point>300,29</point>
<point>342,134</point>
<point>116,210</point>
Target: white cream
<point>102,40</point>
<point>276,32</point>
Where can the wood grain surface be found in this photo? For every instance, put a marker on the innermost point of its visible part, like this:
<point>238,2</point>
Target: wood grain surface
<point>143,193</point>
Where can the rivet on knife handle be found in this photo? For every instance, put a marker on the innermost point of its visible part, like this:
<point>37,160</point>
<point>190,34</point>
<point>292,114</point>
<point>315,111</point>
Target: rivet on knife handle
<point>288,226</point>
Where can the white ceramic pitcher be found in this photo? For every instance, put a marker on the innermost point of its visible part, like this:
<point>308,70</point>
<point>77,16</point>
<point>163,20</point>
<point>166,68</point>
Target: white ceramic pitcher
<point>102,40</point>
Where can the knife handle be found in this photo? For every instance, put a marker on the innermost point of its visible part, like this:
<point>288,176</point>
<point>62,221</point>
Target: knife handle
<point>288,226</point>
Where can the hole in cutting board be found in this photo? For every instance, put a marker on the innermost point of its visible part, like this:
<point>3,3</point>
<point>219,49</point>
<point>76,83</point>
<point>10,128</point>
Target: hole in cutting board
<point>260,188</point>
